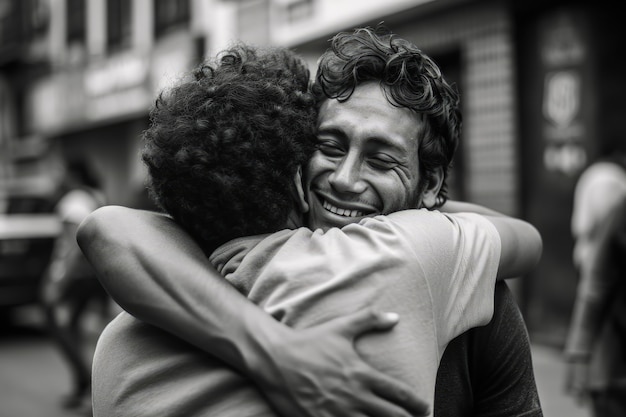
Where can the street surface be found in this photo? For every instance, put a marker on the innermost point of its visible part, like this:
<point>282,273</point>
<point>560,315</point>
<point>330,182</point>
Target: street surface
<point>33,377</point>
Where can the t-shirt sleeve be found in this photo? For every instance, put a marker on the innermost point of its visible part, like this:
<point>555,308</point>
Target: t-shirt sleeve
<point>459,255</point>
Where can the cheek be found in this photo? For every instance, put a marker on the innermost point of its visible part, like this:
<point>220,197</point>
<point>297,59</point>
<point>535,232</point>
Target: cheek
<point>317,160</point>
<point>398,192</point>
<point>392,192</point>
<point>318,165</point>
<point>312,167</point>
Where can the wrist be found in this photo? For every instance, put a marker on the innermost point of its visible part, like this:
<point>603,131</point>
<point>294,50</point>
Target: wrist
<point>261,340</point>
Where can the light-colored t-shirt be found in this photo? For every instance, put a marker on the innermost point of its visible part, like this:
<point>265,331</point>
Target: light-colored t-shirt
<point>437,271</point>
<point>600,188</point>
<point>77,204</point>
<point>67,262</point>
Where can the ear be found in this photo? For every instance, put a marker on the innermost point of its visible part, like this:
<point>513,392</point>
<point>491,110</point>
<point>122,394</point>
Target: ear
<point>431,190</point>
<point>300,200</point>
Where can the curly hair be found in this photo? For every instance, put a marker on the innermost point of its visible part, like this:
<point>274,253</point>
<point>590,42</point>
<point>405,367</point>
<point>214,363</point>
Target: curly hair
<point>223,147</point>
<point>409,79</point>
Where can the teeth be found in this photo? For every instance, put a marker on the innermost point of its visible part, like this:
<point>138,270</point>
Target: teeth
<point>341,212</point>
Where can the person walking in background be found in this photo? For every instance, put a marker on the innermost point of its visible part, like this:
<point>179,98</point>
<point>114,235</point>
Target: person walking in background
<point>595,349</point>
<point>599,188</point>
<point>69,283</point>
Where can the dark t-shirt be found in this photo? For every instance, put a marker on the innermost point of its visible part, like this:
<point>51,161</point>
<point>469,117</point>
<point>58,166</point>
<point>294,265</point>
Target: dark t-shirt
<point>488,371</point>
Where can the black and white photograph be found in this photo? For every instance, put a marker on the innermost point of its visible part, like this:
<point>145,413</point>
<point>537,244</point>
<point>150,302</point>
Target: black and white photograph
<point>312,208</point>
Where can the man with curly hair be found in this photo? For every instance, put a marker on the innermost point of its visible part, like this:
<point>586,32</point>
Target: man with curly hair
<point>373,136</point>
<point>223,148</point>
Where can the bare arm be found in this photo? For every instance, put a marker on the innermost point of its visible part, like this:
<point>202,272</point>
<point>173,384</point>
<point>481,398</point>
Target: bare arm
<point>147,281</point>
<point>521,242</point>
<point>599,283</point>
<point>156,272</point>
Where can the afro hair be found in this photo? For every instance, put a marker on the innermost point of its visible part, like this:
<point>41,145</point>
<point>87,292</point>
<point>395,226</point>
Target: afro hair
<point>224,145</point>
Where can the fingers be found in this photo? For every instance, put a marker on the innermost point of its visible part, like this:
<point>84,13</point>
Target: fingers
<point>363,321</point>
<point>395,392</point>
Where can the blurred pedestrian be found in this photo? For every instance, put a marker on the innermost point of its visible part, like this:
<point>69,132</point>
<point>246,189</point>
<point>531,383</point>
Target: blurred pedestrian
<point>598,189</point>
<point>69,284</point>
<point>596,345</point>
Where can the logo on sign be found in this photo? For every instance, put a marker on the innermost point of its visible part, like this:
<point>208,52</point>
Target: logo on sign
<point>561,101</point>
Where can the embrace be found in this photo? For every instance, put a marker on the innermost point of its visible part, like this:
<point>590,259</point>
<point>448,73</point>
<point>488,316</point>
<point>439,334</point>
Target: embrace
<point>309,262</point>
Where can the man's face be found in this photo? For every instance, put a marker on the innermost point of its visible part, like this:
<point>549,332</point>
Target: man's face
<point>366,162</point>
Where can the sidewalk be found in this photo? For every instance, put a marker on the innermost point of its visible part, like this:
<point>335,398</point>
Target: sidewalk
<point>549,373</point>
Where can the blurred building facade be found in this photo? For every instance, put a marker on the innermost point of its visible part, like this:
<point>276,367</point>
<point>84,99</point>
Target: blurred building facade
<point>540,83</point>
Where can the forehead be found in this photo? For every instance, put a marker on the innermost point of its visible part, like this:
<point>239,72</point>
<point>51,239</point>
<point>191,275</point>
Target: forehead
<point>368,116</point>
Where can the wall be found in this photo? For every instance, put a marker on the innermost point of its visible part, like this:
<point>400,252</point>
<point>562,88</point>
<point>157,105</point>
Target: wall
<point>572,92</point>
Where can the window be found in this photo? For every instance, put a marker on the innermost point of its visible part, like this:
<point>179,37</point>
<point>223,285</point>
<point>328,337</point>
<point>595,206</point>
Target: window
<point>75,22</point>
<point>118,24</point>
<point>169,14</point>
<point>299,10</point>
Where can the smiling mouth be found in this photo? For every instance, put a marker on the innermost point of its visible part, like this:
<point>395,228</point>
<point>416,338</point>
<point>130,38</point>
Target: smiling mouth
<point>341,212</point>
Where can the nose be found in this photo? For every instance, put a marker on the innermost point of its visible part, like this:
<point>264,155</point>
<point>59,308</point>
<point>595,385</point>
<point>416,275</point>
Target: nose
<point>346,177</point>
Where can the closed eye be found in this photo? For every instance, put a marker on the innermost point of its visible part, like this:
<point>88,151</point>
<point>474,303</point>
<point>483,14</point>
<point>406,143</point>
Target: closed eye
<point>330,149</point>
<point>382,162</point>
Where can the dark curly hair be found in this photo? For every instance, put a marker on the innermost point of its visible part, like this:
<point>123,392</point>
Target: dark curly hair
<point>223,147</point>
<point>409,79</point>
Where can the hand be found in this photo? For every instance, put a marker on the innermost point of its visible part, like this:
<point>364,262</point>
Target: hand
<point>316,372</point>
<point>576,377</point>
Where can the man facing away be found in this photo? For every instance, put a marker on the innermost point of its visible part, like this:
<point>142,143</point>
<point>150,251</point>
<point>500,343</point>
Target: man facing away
<point>595,349</point>
<point>368,162</point>
<point>69,285</point>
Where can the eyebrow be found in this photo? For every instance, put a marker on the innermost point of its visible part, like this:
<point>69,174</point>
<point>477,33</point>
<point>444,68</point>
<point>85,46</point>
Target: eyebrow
<point>333,131</point>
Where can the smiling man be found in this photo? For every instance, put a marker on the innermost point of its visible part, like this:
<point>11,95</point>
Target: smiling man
<point>380,149</point>
<point>367,161</point>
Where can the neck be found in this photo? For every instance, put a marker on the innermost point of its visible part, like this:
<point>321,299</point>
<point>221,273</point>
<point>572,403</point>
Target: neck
<point>294,220</point>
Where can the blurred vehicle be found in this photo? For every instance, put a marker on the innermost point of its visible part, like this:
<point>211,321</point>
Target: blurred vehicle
<point>28,227</point>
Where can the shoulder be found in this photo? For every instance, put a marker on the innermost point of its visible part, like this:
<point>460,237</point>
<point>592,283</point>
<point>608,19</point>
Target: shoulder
<point>452,229</point>
<point>430,231</point>
<point>420,220</point>
<point>599,179</point>
<point>435,218</point>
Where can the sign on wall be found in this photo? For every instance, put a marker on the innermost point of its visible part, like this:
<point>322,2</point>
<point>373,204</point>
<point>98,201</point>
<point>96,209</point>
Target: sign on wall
<point>564,131</point>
